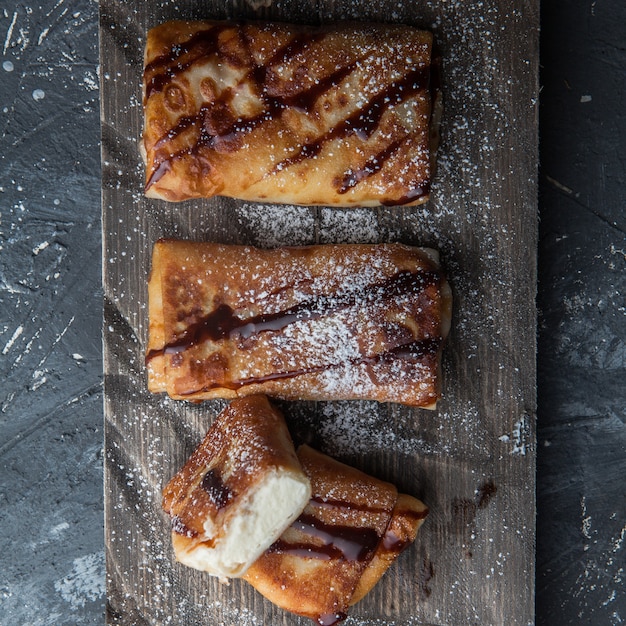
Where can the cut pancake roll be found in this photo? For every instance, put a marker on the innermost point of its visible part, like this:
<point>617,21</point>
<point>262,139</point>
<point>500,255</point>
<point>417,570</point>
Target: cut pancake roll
<point>239,491</point>
<point>321,322</point>
<point>311,534</point>
<point>350,533</point>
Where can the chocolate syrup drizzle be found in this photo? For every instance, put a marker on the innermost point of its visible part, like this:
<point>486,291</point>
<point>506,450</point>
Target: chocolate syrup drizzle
<point>331,542</point>
<point>217,127</point>
<point>345,543</point>
<point>217,491</point>
<point>362,123</point>
<point>223,324</point>
<point>414,352</point>
<point>167,67</point>
<point>330,619</point>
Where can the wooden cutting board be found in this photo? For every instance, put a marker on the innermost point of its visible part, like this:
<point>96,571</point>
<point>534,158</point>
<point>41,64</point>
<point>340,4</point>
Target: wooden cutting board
<point>473,460</point>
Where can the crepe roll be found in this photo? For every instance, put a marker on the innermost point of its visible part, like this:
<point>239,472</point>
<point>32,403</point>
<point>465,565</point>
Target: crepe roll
<point>326,322</point>
<point>343,114</point>
<point>352,530</point>
<point>241,488</point>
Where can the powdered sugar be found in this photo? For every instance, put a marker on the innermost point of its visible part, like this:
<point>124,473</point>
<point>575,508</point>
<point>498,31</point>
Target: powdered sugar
<point>271,226</point>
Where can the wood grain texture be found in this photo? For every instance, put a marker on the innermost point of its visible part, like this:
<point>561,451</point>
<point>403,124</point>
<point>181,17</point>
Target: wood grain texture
<point>471,461</point>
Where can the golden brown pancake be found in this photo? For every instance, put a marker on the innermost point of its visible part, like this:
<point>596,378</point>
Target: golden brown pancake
<point>364,321</point>
<point>352,530</point>
<point>342,114</point>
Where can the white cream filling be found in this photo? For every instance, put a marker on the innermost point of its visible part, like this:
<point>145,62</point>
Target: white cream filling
<point>253,526</point>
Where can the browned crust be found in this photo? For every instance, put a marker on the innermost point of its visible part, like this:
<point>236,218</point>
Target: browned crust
<point>247,439</point>
<point>343,498</point>
<point>336,115</point>
<point>408,515</point>
<point>372,322</point>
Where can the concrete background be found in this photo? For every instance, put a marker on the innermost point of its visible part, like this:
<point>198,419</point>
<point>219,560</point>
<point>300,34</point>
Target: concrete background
<point>51,537</point>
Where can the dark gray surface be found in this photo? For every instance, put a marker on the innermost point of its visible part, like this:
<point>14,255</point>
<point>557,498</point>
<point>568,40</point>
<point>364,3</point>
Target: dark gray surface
<point>581,526</point>
<point>51,550</point>
<point>51,512</point>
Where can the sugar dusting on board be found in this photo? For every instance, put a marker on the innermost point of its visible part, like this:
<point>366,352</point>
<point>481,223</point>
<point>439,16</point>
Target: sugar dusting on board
<point>362,428</point>
<point>271,226</point>
<point>519,436</point>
